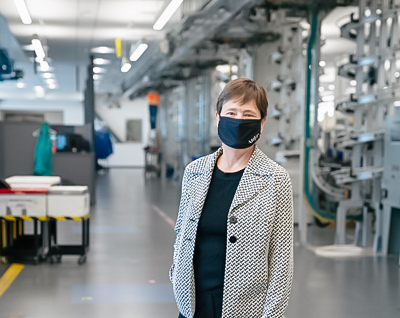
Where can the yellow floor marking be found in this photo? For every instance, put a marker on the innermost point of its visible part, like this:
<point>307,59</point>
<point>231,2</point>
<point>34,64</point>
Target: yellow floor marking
<point>9,276</point>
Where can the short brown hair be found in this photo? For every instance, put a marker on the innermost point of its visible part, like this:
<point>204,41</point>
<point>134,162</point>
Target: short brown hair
<point>244,90</point>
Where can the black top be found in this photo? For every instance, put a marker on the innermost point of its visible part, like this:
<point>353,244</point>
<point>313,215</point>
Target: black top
<point>210,250</point>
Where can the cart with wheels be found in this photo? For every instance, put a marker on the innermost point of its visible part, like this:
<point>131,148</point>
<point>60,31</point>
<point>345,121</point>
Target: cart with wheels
<point>16,207</point>
<point>15,244</point>
<point>152,161</point>
<point>56,251</point>
<point>68,203</point>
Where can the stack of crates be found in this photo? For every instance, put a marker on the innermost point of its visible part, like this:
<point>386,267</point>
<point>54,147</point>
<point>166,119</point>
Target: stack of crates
<point>38,196</point>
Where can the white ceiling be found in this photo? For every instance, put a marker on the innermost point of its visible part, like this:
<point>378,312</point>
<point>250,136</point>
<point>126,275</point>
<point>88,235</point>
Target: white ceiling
<point>70,29</point>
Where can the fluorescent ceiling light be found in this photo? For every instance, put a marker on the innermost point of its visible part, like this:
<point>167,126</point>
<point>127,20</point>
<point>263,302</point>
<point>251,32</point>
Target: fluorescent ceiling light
<point>321,89</point>
<point>39,91</point>
<point>100,61</point>
<point>97,69</point>
<point>20,85</point>
<point>167,14</point>
<point>50,81</point>
<point>397,103</point>
<point>44,66</point>
<point>331,87</point>
<point>37,45</point>
<point>397,74</point>
<point>23,11</point>
<point>103,50</point>
<point>96,76</point>
<point>353,83</point>
<point>126,65</point>
<point>225,69</point>
<point>47,75</point>
<point>328,98</point>
<point>52,86</point>
<point>28,47</point>
<point>233,77</point>
<point>137,53</point>
<point>322,63</point>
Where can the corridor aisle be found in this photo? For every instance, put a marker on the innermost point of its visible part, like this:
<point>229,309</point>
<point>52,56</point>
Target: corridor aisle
<point>126,274</point>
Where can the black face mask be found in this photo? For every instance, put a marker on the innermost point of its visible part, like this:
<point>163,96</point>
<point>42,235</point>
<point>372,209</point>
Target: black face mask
<point>239,133</point>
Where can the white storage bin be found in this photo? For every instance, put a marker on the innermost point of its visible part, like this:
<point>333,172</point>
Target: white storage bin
<point>68,201</point>
<point>41,182</point>
<point>20,204</point>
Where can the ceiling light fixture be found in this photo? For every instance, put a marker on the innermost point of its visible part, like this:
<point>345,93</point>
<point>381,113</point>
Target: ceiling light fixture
<point>50,81</point>
<point>100,61</point>
<point>40,92</point>
<point>126,65</point>
<point>23,11</point>
<point>20,85</point>
<point>328,98</point>
<point>96,76</point>
<point>37,45</point>
<point>322,63</point>
<point>97,69</point>
<point>52,86</point>
<point>47,75</point>
<point>331,87</point>
<point>102,50</point>
<point>138,51</point>
<point>44,66</point>
<point>167,14</point>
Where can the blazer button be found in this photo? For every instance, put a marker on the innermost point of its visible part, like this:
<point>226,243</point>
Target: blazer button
<point>233,239</point>
<point>233,220</point>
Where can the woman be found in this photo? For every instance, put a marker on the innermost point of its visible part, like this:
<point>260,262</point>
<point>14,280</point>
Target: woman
<point>233,255</point>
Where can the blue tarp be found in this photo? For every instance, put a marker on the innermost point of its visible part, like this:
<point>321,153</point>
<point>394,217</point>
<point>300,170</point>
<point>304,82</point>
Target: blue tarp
<point>103,144</point>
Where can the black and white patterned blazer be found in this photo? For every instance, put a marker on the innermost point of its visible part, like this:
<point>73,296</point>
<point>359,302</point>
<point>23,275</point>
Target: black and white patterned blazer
<point>259,264</point>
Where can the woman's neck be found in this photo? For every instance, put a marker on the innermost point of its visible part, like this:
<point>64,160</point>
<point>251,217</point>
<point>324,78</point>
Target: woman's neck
<point>232,160</point>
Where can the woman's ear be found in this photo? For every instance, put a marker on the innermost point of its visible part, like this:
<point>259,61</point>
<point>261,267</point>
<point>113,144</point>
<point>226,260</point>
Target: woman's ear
<point>262,124</point>
<point>217,118</point>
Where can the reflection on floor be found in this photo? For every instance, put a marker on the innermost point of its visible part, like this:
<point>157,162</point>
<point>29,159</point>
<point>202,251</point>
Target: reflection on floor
<point>126,274</point>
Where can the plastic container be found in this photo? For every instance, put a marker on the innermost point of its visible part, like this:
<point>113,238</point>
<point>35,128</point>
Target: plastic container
<point>68,201</point>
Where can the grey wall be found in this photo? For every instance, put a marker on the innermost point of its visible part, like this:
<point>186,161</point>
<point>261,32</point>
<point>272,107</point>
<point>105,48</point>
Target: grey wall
<point>18,148</point>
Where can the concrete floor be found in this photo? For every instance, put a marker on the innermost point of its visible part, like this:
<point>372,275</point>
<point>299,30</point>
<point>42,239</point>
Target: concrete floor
<point>126,274</point>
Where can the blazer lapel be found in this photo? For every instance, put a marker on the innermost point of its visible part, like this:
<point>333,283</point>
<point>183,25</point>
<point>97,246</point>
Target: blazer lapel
<point>254,179</point>
<point>201,184</point>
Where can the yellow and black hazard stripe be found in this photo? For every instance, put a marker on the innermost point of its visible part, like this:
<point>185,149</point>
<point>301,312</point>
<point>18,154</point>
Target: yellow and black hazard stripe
<point>44,218</point>
<point>70,218</point>
<point>24,217</point>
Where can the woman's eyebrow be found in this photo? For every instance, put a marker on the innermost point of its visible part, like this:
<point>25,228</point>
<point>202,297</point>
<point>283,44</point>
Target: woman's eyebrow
<point>231,108</point>
<point>249,111</point>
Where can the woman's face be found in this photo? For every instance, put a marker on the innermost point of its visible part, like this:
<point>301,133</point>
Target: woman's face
<point>246,111</point>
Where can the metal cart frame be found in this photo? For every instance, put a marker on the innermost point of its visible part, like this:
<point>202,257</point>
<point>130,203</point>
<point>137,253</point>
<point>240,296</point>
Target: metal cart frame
<point>56,251</point>
<point>20,245</point>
